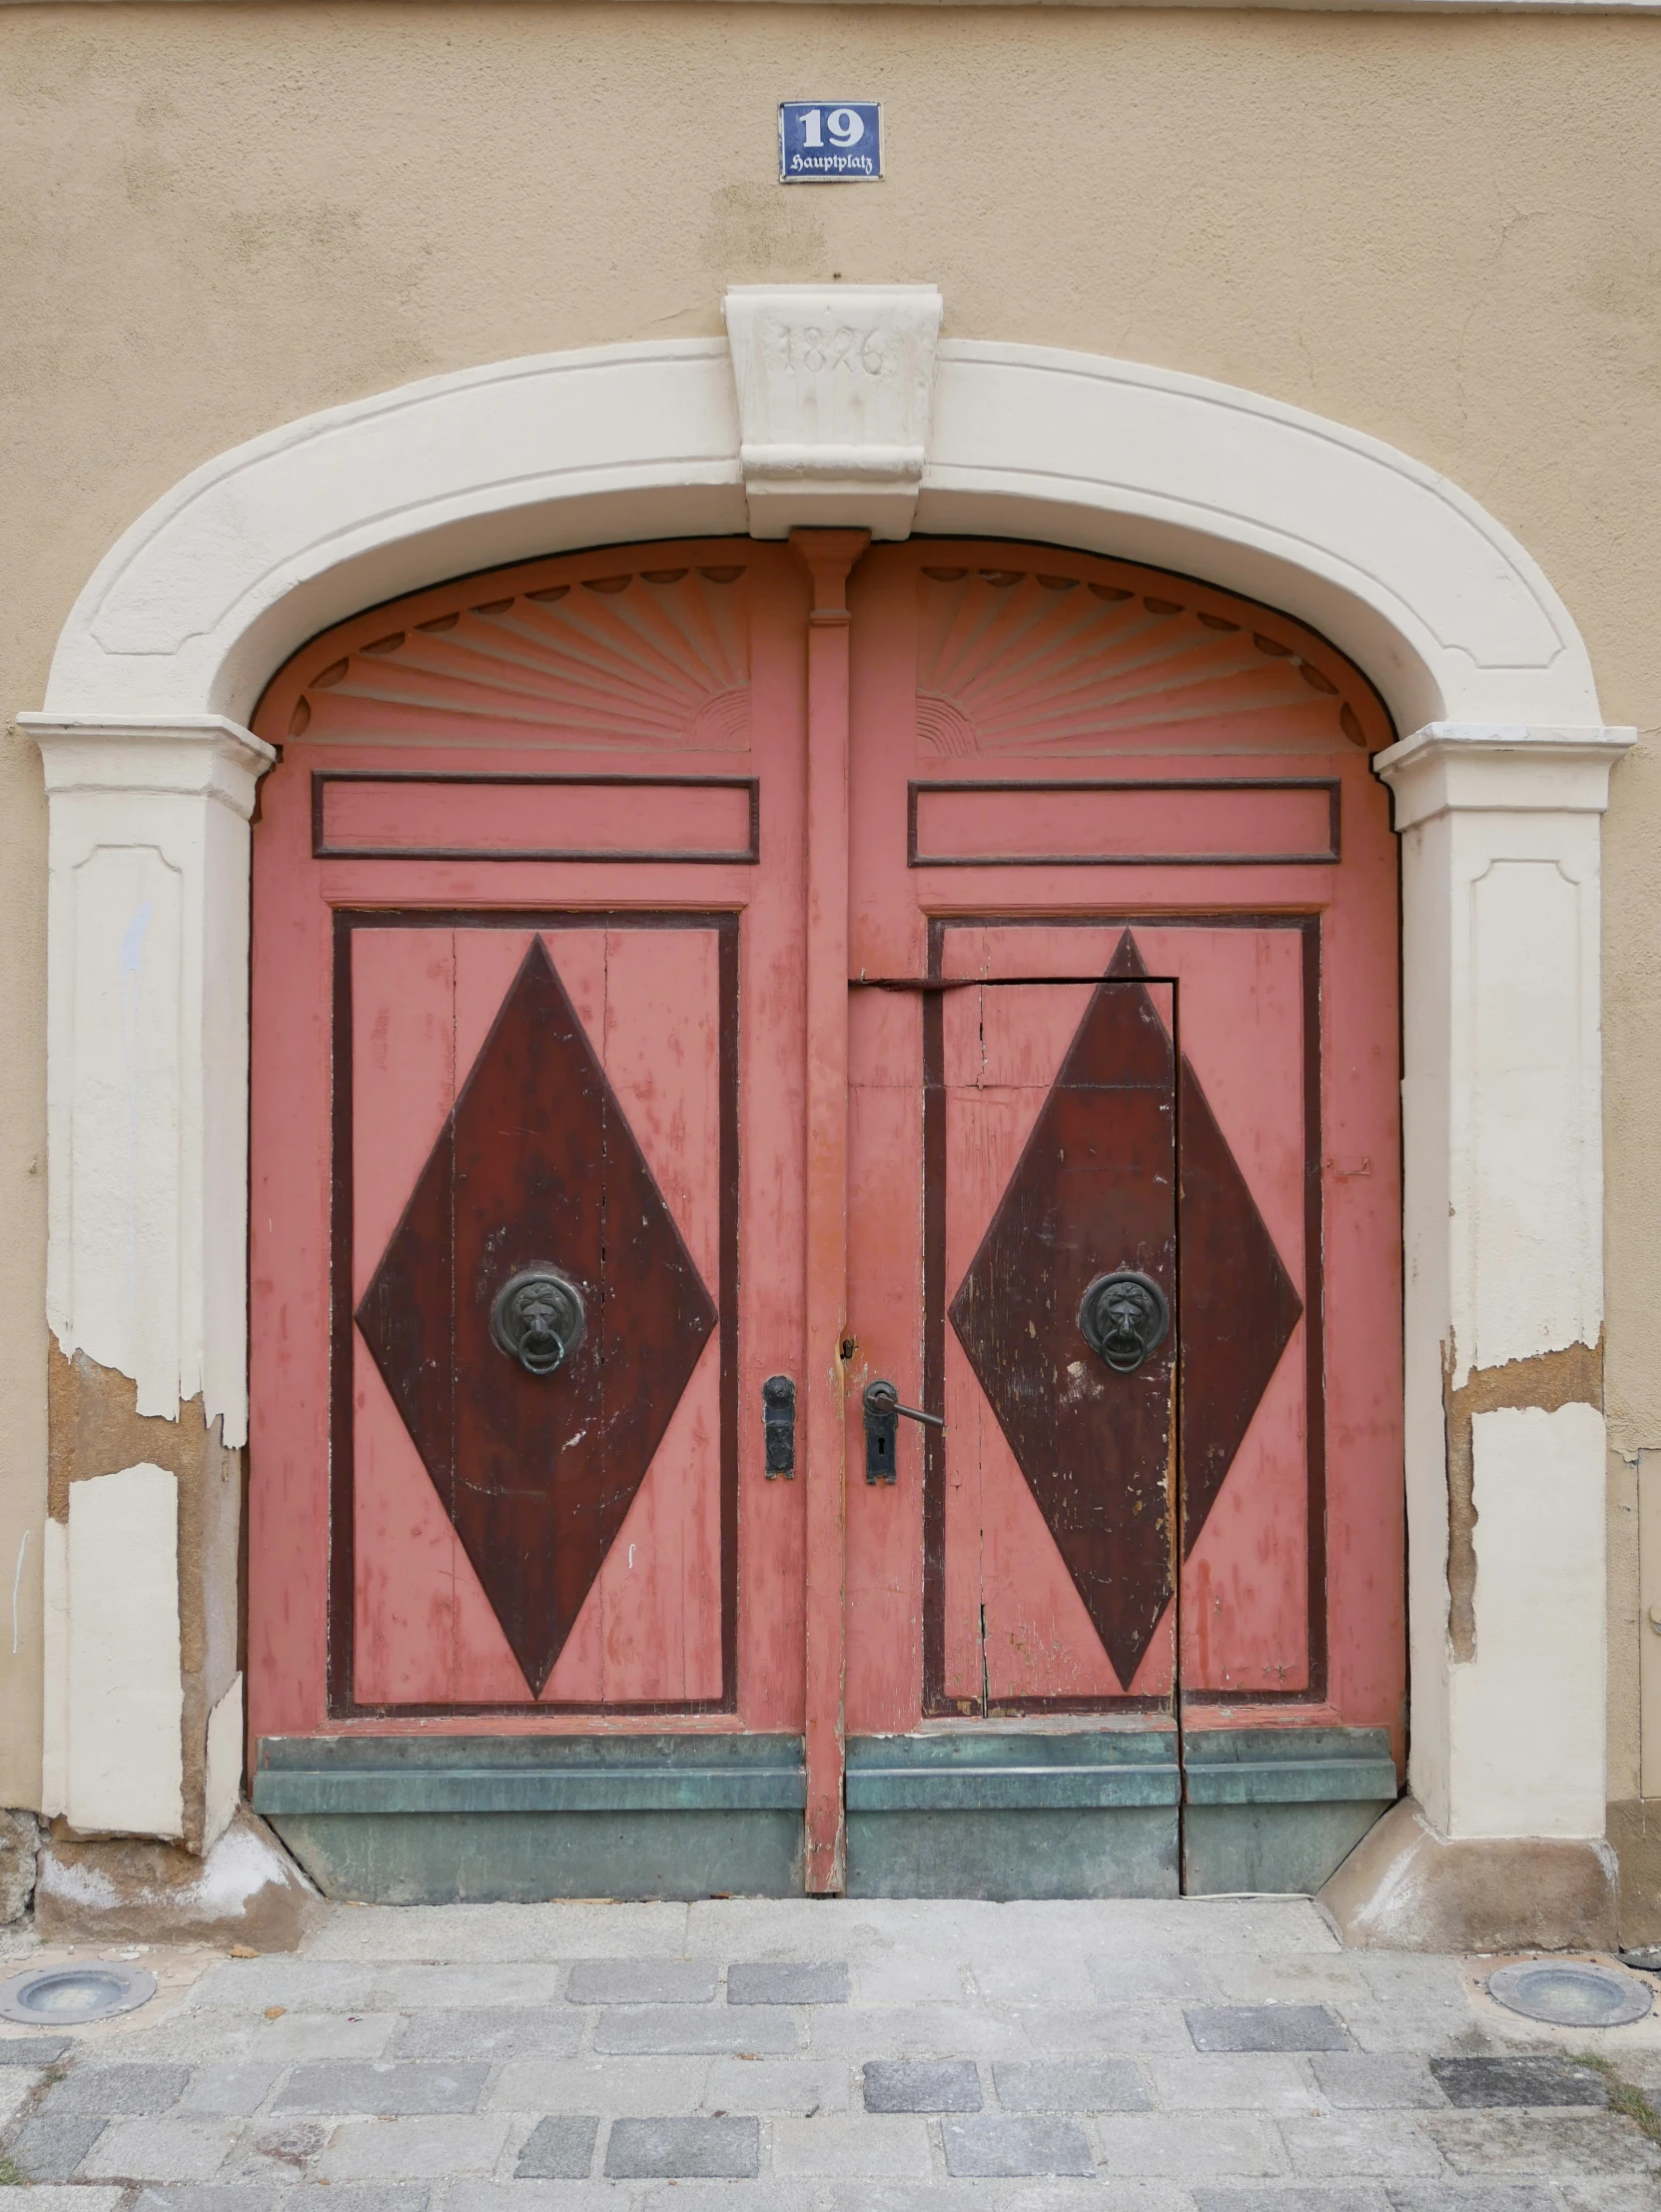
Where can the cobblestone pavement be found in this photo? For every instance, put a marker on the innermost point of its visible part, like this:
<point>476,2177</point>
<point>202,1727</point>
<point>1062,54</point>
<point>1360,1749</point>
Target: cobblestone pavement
<point>1204,2056</point>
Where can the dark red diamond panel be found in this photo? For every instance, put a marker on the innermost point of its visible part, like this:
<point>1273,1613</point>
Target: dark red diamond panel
<point>1095,1189</point>
<point>537,1165</point>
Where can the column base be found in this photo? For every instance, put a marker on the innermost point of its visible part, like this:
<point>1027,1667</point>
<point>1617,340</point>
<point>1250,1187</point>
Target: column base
<point>126,1889</point>
<point>1406,1886</point>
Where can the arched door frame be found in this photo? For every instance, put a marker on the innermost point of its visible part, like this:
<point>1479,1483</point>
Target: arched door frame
<point>1499,780</point>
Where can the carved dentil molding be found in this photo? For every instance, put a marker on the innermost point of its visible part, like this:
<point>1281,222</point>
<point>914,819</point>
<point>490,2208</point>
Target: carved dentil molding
<point>835,383</point>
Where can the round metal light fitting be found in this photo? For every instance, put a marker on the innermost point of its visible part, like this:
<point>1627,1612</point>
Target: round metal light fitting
<point>1569,1993</point>
<point>69,1997</point>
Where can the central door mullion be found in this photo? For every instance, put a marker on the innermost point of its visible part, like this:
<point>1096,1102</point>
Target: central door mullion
<point>828,556</point>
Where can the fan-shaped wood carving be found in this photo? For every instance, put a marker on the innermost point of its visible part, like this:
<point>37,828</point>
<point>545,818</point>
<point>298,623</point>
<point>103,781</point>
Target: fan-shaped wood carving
<point>1076,660</point>
<point>655,657</point>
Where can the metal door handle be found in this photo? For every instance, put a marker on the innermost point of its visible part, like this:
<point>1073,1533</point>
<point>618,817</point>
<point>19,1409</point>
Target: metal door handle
<point>778,1426</point>
<point>882,1420</point>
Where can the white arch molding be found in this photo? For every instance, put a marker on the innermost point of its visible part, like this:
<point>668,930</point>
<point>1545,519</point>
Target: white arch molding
<point>1498,787</point>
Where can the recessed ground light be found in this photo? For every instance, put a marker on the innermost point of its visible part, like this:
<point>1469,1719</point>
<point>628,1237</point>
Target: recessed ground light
<point>68,1996</point>
<point>1569,1993</point>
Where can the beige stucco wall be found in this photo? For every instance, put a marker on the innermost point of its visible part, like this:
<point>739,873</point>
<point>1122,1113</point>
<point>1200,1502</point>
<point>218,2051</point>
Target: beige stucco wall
<point>1444,229</point>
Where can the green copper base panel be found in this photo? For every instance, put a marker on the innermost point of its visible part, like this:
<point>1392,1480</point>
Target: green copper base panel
<point>410,1819</point>
<point>1278,1809</point>
<point>1042,1852</point>
<point>1292,1848</point>
<point>527,1857</point>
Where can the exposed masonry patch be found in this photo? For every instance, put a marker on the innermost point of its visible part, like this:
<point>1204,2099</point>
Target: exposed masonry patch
<point>95,1429</point>
<point>1545,1383</point>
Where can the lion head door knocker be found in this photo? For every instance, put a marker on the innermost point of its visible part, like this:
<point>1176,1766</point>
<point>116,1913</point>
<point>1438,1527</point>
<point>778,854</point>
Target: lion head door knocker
<point>537,1318</point>
<point>1124,1317</point>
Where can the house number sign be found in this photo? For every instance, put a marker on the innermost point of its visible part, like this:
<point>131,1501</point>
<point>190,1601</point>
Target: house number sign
<point>830,142</point>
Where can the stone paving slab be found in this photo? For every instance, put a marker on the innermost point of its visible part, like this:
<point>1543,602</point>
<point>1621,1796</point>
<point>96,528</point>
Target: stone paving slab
<point>1215,2055</point>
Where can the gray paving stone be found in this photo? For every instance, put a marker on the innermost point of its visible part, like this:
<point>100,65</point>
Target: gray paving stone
<point>783,1981</point>
<point>1132,2030</point>
<point>1262,2082</point>
<point>455,1987</point>
<point>997,2146</point>
<point>1337,2146</point>
<point>418,2149</point>
<point>17,2087</point>
<point>392,2092</point>
<point>278,2149</point>
<point>1603,2195</point>
<point>640,2087</point>
<point>489,2031</point>
<point>117,2090</point>
<point>1264,2027</point>
<point>1244,1979</point>
<point>33,2051</point>
<point>663,2150</point>
<point>1471,2083</point>
<point>51,2149</point>
<point>1570,2146</point>
<point>208,2196</point>
<point>537,2196</point>
<point>213,2090</point>
<point>718,2196</point>
<point>559,2148</point>
<point>161,2150</point>
<point>77,2196</point>
<point>678,2031</point>
<point>1379,2080</point>
<point>843,2146</point>
<point>1125,1979</point>
<point>250,1984</point>
<point>908,1977</point>
<point>1070,2085</point>
<point>857,2032</point>
<point>922,2085</point>
<point>1492,2197</point>
<point>643,1981</point>
<point>1190,2146</point>
<point>801,2087</point>
<point>370,2196</point>
<point>1036,1977</point>
<point>1360,2196</point>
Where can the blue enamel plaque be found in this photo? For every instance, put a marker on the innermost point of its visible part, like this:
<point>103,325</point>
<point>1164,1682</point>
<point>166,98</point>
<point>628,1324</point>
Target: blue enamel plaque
<point>830,142</point>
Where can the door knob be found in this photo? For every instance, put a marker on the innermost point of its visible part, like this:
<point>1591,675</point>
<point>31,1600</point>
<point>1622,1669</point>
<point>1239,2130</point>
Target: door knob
<point>1124,1317</point>
<point>882,1420</point>
<point>537,1318</point>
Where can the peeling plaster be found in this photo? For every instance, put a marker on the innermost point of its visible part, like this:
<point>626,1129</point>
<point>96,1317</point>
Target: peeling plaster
<point>1545,1383</point>
<point>96,1428</point>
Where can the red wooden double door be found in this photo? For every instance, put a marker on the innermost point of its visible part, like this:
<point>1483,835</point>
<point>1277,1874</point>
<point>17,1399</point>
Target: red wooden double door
<point>585,1213</point>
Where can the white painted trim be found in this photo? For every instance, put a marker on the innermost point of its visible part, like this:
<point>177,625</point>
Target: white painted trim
<point>1502,1207</point>
<point>125,1697</point>
<point>147,1051</point>
<point>1498,792</point>
<point>212,588</point>
<point>834,389</point>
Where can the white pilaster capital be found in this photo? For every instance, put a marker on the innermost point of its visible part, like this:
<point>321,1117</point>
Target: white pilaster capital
<point>1454,767</point>
<point>184,756</point>
<point>835,385</point>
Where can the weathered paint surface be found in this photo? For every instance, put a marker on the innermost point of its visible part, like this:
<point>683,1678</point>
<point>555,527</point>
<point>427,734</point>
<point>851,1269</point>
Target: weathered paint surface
<point>1273,972</point>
